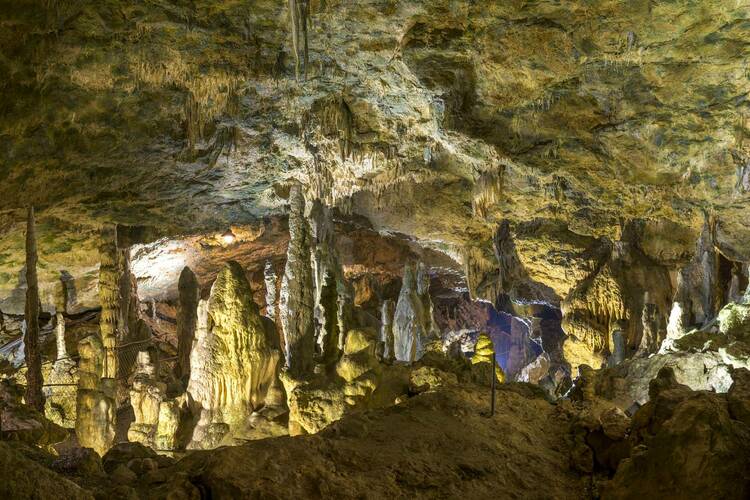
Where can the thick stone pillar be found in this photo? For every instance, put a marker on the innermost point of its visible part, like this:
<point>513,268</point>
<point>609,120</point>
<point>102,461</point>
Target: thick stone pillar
<point>95,402</point>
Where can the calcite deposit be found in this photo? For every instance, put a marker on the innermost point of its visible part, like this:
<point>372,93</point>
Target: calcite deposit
<point>381,248</point>
<point>234,359</point>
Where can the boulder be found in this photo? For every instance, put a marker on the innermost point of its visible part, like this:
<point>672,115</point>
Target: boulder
<point>19,422</point>
<point>686,445</point>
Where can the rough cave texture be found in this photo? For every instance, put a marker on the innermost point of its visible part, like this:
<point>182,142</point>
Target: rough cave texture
<point>233,221</point>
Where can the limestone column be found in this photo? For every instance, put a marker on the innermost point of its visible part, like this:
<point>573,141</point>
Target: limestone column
<point>34,380</point>
<point>60,306</point>
<point>95,402</point>
<point>109,296</point>
<point>59,406</point>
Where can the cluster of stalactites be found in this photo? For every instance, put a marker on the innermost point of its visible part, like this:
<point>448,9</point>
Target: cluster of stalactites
<point>488,190</point>
<point>299,11</point>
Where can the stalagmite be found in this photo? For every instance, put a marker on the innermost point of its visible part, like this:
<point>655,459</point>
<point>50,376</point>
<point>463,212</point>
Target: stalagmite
<point>234,359</point>
<point>331,296</point>
<point>297,298</point>
<point>270,279</point>
<point>386,329</point>
<point>481,361</point>
<point>95,402</point>
<point>60,407</point>
<point>413,324</point>
<point>34,396</point>
<point>189,294</point>
<point>146,396</point>
<point>653,331</point>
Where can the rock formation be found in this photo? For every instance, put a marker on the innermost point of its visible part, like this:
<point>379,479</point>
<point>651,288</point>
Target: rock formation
<point>297,298</point>
<point>413,322</point>
<point>109,294</point>
<point>386,336</point>
<point>60,406</point>
<point>315,404</point>
<point>146,397</point>
<point>482,361</point>
<point>234,359</point>
<point>95,401</point>
<point>34,380</point>
<point>331,295</point>
<point>270,279</point>
<point>21,422</point>
<point>189,294</point>
<point>686,444</point>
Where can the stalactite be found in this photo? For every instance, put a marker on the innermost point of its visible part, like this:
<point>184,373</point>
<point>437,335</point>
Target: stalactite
<point>299,11</point>
<point>34,380</point>
<point>488,190</point>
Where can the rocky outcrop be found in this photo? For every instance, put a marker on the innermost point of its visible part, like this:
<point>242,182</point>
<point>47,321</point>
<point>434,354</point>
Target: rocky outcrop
<point>315,404</point>
<point>234,360</point>
<point>686,444</point>
<point>413,321</point>
<point>20,422</point>
<point>23,477</point>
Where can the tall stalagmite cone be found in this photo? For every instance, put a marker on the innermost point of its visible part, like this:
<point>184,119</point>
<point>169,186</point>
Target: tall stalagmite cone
<point>297,296</point>
<point>34,380</point>
<point>187,317</point>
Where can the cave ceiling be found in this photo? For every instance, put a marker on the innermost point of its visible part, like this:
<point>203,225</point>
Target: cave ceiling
<point>436,120</point>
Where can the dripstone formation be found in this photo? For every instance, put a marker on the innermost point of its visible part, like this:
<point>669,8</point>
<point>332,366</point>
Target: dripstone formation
<point>275,249</point>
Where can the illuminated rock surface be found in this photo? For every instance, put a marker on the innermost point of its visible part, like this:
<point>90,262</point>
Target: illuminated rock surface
<point>234,360</point>
<point>331,217</point>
